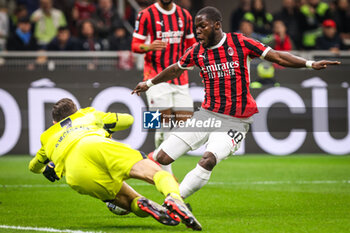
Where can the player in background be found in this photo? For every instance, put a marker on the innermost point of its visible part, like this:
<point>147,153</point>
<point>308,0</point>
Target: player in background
<point>163,32</point>
<point>223,61</point>
<point>79,146</point>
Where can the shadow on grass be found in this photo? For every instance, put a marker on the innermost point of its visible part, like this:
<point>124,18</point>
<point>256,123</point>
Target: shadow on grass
<point>130,224</point>
<point>142,227</point>
<point>135,227</point>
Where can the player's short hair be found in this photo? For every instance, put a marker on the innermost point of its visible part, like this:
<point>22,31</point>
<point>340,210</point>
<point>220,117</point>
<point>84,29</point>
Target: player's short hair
<point>62,109</point>
<point>212,13</point>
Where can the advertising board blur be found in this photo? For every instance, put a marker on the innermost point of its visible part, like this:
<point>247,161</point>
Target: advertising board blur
<point>308,113</point>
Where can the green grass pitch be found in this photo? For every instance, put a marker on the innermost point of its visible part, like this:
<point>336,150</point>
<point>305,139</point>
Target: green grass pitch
<point>251,193</point>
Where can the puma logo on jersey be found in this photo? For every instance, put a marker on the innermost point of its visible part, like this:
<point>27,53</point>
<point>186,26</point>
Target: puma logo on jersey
<point>161,23</point>
<point>202,56</point>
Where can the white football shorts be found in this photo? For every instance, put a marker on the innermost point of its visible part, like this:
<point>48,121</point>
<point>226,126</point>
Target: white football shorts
<point>222,142</point>
<point>166,95</point>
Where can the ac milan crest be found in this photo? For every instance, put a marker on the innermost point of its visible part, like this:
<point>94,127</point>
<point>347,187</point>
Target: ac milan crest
<point>181,24</point>
<point>230,51</point>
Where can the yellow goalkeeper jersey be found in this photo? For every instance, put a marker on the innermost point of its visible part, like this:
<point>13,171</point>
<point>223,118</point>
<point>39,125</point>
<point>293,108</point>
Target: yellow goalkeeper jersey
<point>59,138</point>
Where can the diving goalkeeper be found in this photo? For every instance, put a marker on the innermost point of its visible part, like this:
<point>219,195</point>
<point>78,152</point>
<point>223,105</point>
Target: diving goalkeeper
<point>78,146</point>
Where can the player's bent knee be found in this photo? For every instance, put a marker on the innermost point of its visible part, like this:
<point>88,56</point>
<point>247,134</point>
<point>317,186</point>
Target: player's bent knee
<point>208,161</point>
<point>171,149</point>
<point>163,158</point>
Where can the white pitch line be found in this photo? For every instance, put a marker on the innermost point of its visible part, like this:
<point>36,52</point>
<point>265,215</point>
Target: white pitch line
<point>45,229</point>
<point>266,182</point>
<point>271,182</point>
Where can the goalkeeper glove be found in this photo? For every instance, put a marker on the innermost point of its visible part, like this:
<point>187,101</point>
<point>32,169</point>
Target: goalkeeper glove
<point>50,173</point>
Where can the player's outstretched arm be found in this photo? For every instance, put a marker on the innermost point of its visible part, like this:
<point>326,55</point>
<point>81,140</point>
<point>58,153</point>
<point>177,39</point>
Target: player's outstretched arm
<point>115,121</point>
<point>38,163</point>
<point>124,121</point>
<point>289,60</point>
<point>169,73</point>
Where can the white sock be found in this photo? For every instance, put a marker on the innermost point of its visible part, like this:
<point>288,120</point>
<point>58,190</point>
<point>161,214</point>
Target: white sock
<point>193,181</point>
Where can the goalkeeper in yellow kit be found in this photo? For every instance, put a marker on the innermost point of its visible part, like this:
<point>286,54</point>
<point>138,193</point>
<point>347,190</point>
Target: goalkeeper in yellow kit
<point>78,146</point>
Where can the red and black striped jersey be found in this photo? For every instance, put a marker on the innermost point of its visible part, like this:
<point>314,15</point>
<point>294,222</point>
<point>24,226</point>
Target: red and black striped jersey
<point>225,73</point>
<point>174,27</point>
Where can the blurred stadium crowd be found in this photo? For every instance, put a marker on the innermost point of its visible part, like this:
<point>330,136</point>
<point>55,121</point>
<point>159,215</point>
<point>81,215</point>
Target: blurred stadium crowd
<point>95,25</point>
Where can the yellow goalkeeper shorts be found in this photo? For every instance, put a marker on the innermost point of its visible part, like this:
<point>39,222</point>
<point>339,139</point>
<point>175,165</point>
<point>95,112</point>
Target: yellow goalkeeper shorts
<point>97,166</point>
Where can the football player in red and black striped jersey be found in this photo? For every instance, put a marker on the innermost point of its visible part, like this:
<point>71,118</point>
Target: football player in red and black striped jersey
<point>223,59</point>
<point>163,31</point>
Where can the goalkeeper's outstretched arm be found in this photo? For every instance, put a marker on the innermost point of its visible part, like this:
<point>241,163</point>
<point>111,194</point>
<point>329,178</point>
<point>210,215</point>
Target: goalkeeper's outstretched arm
<point>41,164</point>
<point>124,121</point>
<point>37,164</point>
<point>116,121</point>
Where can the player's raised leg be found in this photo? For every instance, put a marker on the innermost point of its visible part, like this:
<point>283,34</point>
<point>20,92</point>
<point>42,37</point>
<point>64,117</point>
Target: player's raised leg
<point>220,146</point>
<point>125,196</point>
<point>126,201</point>
<point>129,200</point>
<point>170,150</point>
<point>150,172</point>
<point>166,184</point>
<point>199,176</point>
<point>121,205</point>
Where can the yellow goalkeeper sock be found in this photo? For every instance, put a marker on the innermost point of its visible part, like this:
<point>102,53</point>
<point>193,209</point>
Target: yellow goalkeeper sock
<point>136,209</point>
<point>166,183</point>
